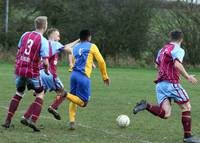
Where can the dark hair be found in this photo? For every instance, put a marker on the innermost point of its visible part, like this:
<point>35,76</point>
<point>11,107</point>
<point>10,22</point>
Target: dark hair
<point>84,35</point>
<point>176,35</point>
<point>51,30</point>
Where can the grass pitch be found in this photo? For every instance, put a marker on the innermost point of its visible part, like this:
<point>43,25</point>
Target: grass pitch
<point>97,122</point>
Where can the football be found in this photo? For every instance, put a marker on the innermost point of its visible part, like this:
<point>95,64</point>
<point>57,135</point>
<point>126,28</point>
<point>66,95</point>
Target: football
<point>123,121</point>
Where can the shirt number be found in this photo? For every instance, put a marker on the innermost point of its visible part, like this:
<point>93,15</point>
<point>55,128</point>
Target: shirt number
<point>28,48</point>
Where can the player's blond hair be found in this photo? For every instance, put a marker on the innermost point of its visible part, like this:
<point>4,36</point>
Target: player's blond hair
<point>51,30</point>
<point>40,22</point>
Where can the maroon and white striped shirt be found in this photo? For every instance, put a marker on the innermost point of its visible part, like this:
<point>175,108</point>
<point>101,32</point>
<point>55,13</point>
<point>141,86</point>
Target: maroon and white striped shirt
<point>165,61</point>
<point>32,46</point>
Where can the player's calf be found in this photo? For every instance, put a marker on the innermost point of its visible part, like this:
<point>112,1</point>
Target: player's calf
<point>186,119</point>
<point>58,100</point>
<point>154,109</point>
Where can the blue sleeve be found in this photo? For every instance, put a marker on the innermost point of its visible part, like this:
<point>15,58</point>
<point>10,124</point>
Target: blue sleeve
<point>157,58</point>
<point>20,41</point>
<point>56,47</point>
<point>178,54</point>
<point>44,51</point>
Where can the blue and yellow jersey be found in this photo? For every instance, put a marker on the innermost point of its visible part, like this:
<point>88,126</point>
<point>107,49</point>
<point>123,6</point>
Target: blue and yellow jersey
<point>83,55</point>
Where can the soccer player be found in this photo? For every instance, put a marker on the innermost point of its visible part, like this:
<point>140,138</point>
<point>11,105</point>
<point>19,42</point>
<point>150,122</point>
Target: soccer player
<point>52,82</point>
<point>83,53</point>
<point>170,67</point>
<point>71,63</point>
<point>31,47</point>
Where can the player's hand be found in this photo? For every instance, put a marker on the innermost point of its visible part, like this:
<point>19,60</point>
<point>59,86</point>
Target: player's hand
<point>191,79</point>
<point>70,69</point>
<point>107,82</point>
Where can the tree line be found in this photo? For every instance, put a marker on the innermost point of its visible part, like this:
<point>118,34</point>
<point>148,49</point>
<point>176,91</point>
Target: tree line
<point>127,32</point>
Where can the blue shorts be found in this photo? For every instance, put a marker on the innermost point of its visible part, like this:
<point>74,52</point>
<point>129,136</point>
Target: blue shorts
<point>80,85</point>
<point>31,83</point>
<point>49,82</point>
<point>167,90</point>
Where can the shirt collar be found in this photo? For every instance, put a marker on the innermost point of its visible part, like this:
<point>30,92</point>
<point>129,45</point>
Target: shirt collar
<point>175,43</point>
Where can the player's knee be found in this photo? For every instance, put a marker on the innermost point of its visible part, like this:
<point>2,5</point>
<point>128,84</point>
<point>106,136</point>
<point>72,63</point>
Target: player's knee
<point>85,104</point>
<point>167,115</point>
<point>39,90</point>
<point>40,95</point>
<point>20,91</point>
<point>186,107</point>
<point>21,94</point>
<point>63,93</point>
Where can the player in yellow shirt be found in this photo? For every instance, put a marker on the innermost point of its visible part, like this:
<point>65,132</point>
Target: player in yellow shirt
<point>83,54</point>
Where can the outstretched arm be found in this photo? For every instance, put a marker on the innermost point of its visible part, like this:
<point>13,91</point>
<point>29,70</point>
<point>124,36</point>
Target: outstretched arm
<point>68,47</point>
<point>190,78</point>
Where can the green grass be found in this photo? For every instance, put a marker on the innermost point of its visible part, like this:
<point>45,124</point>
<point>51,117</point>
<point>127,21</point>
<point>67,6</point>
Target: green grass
<point>96,123</point>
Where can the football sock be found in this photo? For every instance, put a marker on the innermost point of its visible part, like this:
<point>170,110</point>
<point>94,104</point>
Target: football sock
<point>156,110</point>
<point>29,112</point>
<point>13,107</point>
<point>75,99</point>
<point>186,121</point>
<point>58,101</point>
<point>72,111</point>
<point>37,107</point>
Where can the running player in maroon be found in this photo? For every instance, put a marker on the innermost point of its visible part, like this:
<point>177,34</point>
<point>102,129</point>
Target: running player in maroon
<point>31,47</point>
<point>52,82</point>
<point>170,67</point>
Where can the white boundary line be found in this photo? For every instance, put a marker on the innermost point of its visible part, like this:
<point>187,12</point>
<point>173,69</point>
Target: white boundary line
<point>115,135</point>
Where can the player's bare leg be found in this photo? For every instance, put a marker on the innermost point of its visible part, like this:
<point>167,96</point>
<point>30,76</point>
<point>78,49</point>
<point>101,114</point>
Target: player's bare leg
<point>187,122</point>
<point>166,106</point>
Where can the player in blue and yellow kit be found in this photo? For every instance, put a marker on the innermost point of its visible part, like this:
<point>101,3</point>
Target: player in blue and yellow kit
<point>83,54</point>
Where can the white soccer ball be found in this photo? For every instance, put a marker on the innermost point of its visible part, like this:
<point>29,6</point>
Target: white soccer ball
<point>123,121</point>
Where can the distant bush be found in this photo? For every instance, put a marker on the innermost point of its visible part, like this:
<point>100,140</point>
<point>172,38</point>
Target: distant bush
<point>127,32</point>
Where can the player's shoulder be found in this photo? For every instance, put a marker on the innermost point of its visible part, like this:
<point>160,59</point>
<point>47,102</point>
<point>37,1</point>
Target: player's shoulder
<point>94,46</point>
<point>54,43</point>
<point>177,48</point>
<point>44,40</point>
<point>77,45</point>
<point>26,33</point>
